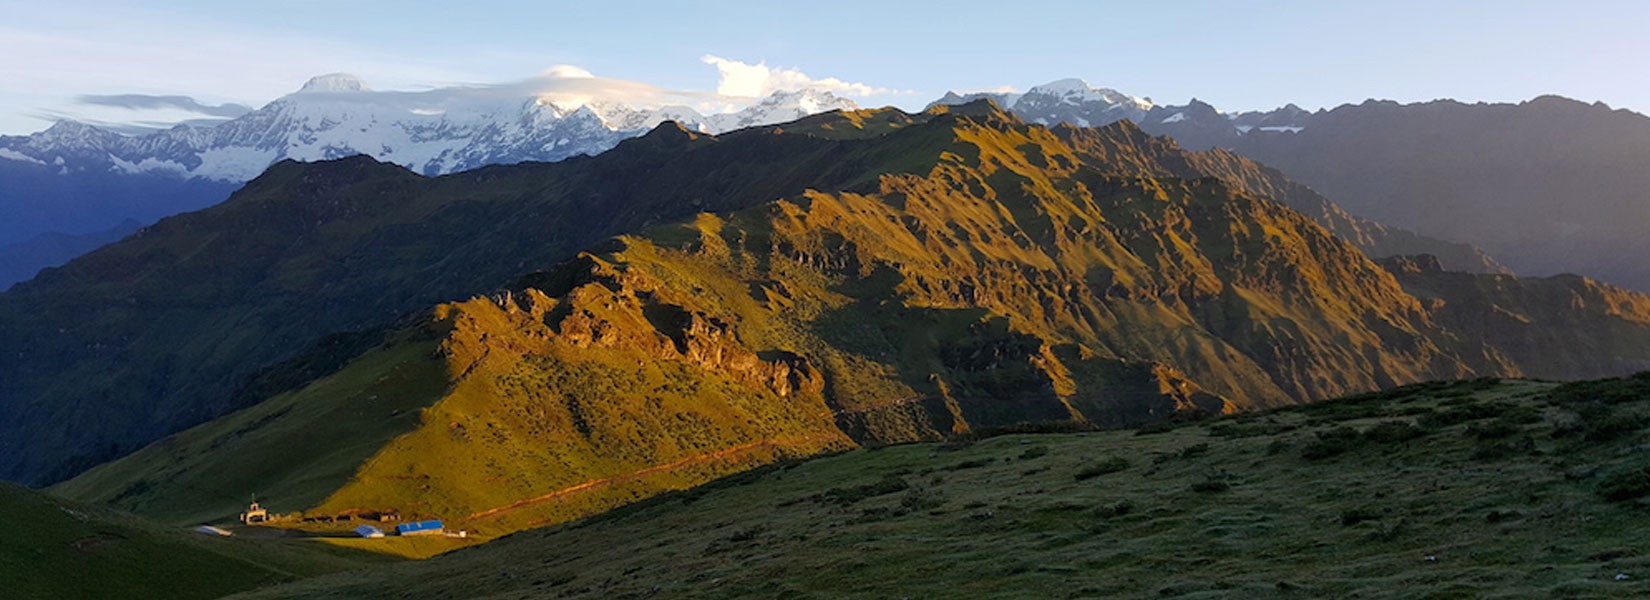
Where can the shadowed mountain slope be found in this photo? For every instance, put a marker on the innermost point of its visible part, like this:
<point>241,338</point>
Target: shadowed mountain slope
<point>55,548</point>
<point>1549,185</point>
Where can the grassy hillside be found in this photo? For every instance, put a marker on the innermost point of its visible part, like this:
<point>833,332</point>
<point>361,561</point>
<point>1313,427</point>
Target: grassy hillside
<point>1014,281</point>
<point>1478,489</point>
<point>55,549</point>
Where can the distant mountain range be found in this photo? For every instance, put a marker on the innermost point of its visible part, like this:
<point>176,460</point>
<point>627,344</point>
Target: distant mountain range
<point>75,179</point>
<point>434,132</point>
<point>1195,125</point>
<point>1486,175</point>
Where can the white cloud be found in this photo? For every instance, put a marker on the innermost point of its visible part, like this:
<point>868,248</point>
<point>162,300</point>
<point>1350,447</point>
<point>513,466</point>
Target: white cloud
<point>740,79</point>
<point>568,72</point>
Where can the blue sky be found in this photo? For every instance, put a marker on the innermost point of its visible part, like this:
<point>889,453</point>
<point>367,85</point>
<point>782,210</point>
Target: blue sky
<point>1235,55</point>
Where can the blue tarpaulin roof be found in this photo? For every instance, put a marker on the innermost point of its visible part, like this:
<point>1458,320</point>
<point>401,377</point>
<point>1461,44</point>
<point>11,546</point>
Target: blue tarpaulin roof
<point>369,531</point>
<point>418,526</point>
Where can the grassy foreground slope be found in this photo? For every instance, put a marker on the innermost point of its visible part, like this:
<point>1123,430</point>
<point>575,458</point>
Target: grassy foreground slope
<point>1477,489</point>
<point>54,548</point>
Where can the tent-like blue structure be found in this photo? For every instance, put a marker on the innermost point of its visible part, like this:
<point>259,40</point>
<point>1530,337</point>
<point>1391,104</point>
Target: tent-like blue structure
<point>368,531</point>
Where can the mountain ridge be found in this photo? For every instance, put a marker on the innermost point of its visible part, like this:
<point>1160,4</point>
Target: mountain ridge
<point>989,276</point>
<point>1487,174</point>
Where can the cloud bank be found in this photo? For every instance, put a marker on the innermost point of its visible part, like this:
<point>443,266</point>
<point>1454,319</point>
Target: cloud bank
<point>567,86</point>
<point>228,110</point>
<point>740,79</point>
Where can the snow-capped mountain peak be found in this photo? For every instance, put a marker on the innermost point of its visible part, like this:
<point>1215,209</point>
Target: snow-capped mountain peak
<point>334,82</point>
<point>432,132</point>
<point>1078,91</point>
<point>782,106</point>
<point>1195,124</point>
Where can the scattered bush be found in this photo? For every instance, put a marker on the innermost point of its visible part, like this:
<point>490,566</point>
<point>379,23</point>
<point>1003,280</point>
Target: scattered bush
<point>1211,485</point>
<point>1566,424</point>
<point>1626,485</point>
<point>1278,446</point>
<point>1360,514</point>
<point>1331,443</point>
<point>921,499</point>
<point>1502,515</point>
<point>1392,432</point>
<point>1388,530</point>
<point>1606,391</point>
<point>969,464</point>
<point>1034,452</point>
<point>1157,427</point>
<point>1104,467</point>
<point>849,495</point>
<point>1521,415</point>
<point>1192,451</point>
<point>1245,430</point>
<point>1174,421</point>
<point>1492,430</point>
<point>1611,426</point>
<point>1116,509</point>
<point>1462,413</point>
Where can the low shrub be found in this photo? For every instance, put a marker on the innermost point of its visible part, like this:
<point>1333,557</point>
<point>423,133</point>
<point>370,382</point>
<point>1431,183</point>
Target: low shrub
<point>921,499</point>
<point>849,495</point>
<point>969,464</point>
<point>1461,413</point>
<point>1211,485</point>
<point>1492,430</point>
<point>1192,451</point>
<point>1503,449</point>
<point>1613,425</point>
<point>1104,467</point>
<point>1627,485</point>
<point>1116,509</point>
<point>1332,443</point>
<point>1360,514</point>
<point>1254,429</point>
<point>1392,432</point>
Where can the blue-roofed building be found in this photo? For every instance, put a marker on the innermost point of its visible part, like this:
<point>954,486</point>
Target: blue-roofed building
<point>430,527</point>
